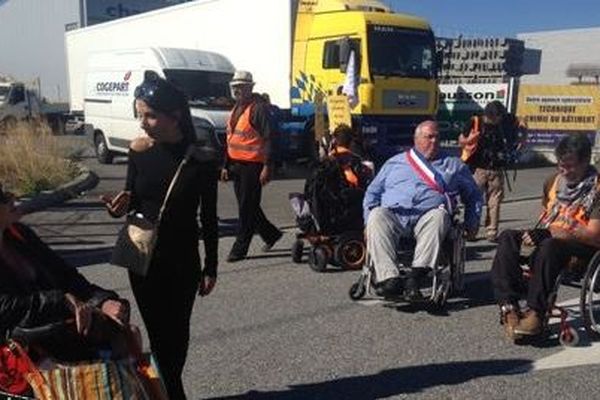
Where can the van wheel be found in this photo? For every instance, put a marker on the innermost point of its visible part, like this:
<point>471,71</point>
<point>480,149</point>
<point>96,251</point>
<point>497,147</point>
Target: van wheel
<point>103,154</point>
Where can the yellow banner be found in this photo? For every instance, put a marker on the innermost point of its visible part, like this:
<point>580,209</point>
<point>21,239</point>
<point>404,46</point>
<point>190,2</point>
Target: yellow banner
<point>559,107</point>
<point>339,111</point>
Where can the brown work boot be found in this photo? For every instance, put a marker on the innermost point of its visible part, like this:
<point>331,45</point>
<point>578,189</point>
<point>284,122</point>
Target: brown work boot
<point>509,318</point>
<point>530,324</point>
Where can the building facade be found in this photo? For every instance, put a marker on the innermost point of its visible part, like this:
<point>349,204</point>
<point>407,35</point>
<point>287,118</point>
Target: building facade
<point>567,56</point>
<point>32,43</point>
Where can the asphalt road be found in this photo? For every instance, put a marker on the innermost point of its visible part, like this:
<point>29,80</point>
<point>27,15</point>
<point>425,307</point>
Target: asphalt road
<point>276,330</point>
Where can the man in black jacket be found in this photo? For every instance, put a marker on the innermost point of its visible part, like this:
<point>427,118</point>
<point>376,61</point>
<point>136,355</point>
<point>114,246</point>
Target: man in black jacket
<point>488,145</point>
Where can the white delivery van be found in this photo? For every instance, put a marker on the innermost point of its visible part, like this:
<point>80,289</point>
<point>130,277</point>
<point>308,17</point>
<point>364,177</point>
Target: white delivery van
<point>112,76</point>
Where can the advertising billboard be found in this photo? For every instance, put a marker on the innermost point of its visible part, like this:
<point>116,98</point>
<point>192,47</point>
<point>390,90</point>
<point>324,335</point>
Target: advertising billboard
<point>459,102</point>
<point>552,111</point>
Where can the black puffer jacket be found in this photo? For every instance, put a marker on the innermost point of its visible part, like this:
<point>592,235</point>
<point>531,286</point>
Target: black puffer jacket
<point>30,303</point>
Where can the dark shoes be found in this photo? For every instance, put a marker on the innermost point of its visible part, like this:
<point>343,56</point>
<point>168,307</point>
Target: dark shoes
<point>269,245</point>
<point>232,257</point>
<point>392,287</point>
<point>412,292</point>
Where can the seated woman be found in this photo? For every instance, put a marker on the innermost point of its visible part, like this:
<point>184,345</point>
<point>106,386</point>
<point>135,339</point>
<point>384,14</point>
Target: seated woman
<point>38,288</point>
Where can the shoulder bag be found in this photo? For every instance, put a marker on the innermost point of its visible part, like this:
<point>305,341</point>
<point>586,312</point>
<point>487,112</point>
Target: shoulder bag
<point>137,239</point>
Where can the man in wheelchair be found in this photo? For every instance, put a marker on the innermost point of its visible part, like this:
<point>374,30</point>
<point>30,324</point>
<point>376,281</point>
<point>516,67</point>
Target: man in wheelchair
<point>568,228</point>
<point>413,196</point>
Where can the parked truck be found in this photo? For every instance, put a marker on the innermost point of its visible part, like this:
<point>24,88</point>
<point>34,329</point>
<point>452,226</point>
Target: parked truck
<point>297,50</point>
<point>19,102</point>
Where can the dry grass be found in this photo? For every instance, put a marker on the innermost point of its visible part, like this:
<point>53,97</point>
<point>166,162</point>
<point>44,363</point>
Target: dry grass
<point>31,159</point>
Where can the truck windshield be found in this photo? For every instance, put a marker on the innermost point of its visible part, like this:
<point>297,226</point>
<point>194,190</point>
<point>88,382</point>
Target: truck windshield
<point>207,89</point>
<point>4,93</point>
<point>399,52</point>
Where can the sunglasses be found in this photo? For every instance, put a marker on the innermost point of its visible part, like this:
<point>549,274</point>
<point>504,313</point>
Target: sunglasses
<point>146,90</point>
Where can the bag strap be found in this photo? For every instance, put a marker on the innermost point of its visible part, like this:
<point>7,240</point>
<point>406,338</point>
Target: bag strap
<point>186,158</point>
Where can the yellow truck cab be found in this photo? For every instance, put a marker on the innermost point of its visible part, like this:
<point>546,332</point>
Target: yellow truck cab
<point>396,67</point>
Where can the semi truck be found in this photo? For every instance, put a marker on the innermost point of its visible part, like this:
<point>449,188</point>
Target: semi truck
<point>298,51</point>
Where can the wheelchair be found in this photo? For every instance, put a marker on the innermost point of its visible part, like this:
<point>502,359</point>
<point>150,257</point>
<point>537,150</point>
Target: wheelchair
<point>589,302</point>
<point>440,283</point>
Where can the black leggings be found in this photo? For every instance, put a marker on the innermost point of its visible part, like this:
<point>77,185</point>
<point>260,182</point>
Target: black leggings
<point>165,301</point>
<point>550,257</point>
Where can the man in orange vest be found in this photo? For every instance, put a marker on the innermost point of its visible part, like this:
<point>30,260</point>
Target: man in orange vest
<point>569,227</point>
<point>247,162</point>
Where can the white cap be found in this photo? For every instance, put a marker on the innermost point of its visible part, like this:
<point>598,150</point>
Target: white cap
<point>241,78</point>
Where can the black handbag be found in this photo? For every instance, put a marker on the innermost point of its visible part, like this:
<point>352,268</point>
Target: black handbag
<point>137,238</point>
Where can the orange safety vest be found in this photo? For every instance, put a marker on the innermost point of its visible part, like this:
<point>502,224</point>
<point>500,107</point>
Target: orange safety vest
<point>244,143</point>
<point>566,216</point>
<point>349,174</point>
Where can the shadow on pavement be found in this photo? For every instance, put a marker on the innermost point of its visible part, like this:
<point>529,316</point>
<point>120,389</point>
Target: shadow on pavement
<point>85,257</point>
<point>411,379</point>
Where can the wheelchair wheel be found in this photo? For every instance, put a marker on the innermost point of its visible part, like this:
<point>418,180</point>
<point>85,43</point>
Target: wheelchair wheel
<point>350,252</point>
<point>318,258</point>
<point>297,251</point>
<point>358,289</point>
<point>590,298</point>
<point>459,255</point>
<point>569,337</point>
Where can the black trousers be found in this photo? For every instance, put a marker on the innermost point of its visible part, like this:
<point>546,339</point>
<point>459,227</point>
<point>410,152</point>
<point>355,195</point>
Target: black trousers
<point>165,298</point>
<point>252,219</point>
<point>548,260</point>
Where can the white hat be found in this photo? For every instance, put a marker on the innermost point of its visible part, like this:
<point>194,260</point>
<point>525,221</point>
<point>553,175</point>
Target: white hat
<point>241,78</point>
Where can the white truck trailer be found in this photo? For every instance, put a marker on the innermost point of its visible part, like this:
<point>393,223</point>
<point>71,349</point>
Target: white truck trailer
<point>297,50</point>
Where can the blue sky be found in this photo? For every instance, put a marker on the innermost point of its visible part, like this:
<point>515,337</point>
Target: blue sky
<point>501,17</point>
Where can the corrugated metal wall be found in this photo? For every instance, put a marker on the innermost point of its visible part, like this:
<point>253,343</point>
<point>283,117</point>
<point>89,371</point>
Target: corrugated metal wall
<point>32,42</point>
<point>561,49</point>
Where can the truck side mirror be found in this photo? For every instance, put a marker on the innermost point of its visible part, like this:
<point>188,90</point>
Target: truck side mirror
<point>345,49</point>
<point>347,46</point>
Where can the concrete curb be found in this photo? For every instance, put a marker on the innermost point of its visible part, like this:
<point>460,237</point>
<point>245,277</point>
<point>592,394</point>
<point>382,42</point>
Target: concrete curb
<point>84,181</point>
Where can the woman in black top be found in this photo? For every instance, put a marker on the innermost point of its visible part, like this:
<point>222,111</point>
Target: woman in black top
<point>165,296</point>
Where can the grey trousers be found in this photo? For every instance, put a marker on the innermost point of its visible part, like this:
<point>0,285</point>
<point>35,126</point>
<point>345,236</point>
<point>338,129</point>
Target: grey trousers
<point>384,232</point>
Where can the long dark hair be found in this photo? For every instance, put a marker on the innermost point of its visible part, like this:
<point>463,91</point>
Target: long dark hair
<point>163,96</point>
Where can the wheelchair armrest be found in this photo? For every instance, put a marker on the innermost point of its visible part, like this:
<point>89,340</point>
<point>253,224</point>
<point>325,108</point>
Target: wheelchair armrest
<point>32,334</point>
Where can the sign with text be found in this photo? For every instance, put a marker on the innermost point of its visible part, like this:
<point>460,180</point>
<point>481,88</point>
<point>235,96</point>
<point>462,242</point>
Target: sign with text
<point>559,107</point>
<point>338,110</point>
<point>553,111</point>
<point>458,103</point>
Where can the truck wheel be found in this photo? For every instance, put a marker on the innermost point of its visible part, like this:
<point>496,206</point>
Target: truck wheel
<point>103,154</point>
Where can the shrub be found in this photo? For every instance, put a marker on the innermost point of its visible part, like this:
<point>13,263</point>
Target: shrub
<point>32,160</point>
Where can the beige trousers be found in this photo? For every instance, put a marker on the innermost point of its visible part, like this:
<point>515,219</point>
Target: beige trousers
<point>491,184</point>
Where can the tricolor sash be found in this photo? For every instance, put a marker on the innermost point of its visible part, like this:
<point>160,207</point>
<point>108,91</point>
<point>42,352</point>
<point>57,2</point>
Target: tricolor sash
<point>430,176</point>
